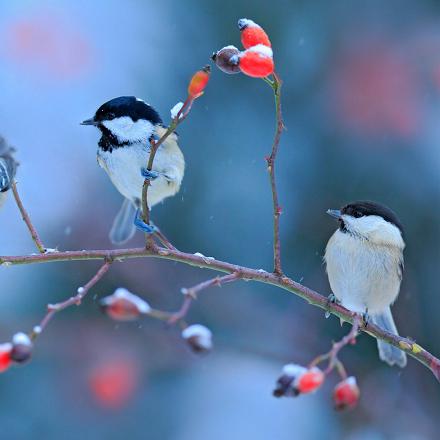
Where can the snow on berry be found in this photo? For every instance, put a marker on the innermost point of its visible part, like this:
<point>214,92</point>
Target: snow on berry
<point>252,34</point>
<point>257,61</point>
<point>124,305</point>
<point>227,59</point>
<point>346,393</point>
<point>21,347</point>
<point>284,386</point>
<point>198,337</point>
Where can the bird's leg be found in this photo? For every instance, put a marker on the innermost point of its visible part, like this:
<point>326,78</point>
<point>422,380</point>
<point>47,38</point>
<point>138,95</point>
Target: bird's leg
<point>149,174</point>
<point>331,299</point>
<point>142,226</point>
<point>153,175</point>
<point>366,317</point>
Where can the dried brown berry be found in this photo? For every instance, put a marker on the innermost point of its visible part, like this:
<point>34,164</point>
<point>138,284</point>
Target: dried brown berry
<point>227,59</point>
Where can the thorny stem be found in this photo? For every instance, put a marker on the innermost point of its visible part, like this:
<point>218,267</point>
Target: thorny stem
<point>406,344</point>
<point>276,87</point>
<point>73,300</point>
<point>27,220</point>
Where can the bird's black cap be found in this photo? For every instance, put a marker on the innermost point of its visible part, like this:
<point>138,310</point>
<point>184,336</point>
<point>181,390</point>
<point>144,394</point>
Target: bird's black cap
<point>126,106</point>
<point>367,207</point>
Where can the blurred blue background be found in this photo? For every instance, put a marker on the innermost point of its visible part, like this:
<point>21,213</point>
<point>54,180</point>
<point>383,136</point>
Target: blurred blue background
<point>361,103</point>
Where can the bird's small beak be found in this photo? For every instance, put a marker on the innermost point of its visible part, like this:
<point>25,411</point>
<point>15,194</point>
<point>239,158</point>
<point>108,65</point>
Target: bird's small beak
<point>90,121</point>
<point>336,213</point>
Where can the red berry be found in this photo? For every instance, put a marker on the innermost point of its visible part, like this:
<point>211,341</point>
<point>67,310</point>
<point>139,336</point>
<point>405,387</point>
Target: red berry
<point>257,61</point>
<point>309,381</point>
<point>5,356</point>
<point>346,393</point>
<point>252,34</point>
<point>124,306</point>
<point>198,82</point>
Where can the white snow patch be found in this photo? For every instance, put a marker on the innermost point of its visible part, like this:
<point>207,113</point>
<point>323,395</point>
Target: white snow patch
<point>202,333</point>
<point>207,260</point>
<point>293,370</point>
<point>246,22</point>
<point>230,46</point>
<point>176,109</point>
<point>80,290</point>
<point>37,329</point>
<point>262,50</point>
<point>122,293</point>
<point>21,339</point>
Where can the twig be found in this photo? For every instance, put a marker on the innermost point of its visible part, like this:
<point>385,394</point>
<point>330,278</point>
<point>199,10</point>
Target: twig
<point>407,345</point>
<point>190,294</point>
<point>73,300</point>
<point>332,355</point>
<point>154,146</point>
<point>27,220</point>
<point>276,87</point>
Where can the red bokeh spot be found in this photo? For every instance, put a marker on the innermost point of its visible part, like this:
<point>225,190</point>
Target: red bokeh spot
<point>46,43</point>
<point>113,383</point>
<point>377,92</point>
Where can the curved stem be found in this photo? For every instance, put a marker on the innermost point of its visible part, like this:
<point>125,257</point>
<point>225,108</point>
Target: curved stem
<point>271,160</point>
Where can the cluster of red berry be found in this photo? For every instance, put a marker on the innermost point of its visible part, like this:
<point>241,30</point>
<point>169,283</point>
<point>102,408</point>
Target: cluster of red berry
<point>257,58</point>
<point>297,380</point>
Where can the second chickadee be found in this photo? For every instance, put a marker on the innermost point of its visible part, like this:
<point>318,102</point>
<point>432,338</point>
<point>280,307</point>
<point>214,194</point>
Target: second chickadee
<point>8,167</point>
<point>127,126</point>
<point>364,259</point>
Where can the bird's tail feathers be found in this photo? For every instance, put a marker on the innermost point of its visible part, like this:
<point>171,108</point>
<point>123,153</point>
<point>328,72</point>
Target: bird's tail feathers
<point>388,353</point>
<point>123,227</point>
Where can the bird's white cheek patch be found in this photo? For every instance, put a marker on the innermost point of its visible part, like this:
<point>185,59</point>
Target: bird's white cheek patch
<point>128,131</point>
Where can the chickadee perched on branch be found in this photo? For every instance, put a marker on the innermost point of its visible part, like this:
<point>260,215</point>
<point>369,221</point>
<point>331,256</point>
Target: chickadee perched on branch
<point>364,260</point>
<point>8,167</point>
<point>128,125</point>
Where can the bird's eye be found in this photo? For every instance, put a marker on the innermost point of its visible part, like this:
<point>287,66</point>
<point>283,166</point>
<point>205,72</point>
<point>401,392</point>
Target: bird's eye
<point>110,116</point>
<point>357,214</point>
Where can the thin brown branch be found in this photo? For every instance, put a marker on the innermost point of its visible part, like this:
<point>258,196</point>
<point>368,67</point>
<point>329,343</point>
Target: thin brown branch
<point>407,345</point>
<point>154,146</point>
<point>190,294</point>
<point>332,355</point>
<point>271,160</point>
<point>73,300</point>
<point>26,219</point>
